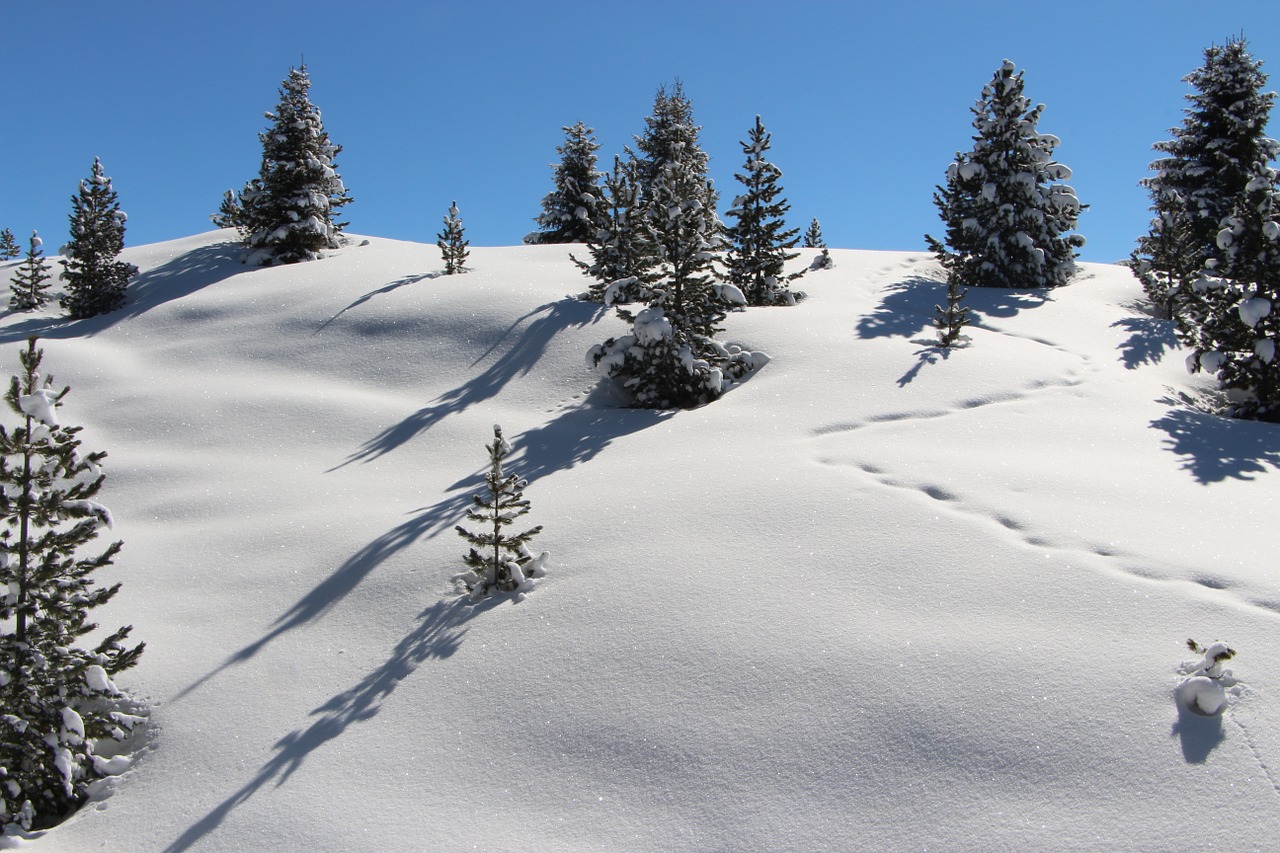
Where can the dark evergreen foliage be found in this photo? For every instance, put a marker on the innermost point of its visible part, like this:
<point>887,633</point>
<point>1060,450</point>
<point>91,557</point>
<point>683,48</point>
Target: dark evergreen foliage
<point>1202,177</point>
<point>759,241</point>
<point>57,699</point>
<point>1229,317</point>
<point>452,242</point>
<point>287,214</point>
<point>573,211</point>
<point>8,245</point>
<point>31,281</point>
<point>623,256</point>
<point>951,320</point>
<point>95,281</point>
<point>813,236</point>
<point>1007,215</point>
<point>498,559</point>
<point>671,358</point>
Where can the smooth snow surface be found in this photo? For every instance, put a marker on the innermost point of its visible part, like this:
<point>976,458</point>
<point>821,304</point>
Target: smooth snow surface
<point>878,597</point>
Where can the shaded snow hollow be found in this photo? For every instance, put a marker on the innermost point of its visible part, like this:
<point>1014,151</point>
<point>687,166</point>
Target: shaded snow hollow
<point>876,598</point>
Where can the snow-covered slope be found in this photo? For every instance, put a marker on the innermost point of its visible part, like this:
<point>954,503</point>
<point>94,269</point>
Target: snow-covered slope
<point>873,599</point>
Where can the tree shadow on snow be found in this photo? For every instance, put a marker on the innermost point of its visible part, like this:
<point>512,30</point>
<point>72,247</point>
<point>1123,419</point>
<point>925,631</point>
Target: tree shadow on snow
<point>1216,448</point>
<point>518,359</point>
<point>905,309</point>
<point>1150,337</point>
<point>437,635</point>
<point>334,588</point>
<point>381,291</point>
<point>930,353</point>
<point>574,437</point>
<point>909,306</point>
<point>172,280</point>
<point>1198,735</point>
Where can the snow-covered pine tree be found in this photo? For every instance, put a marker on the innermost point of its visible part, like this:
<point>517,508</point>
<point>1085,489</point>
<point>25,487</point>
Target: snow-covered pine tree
<point>497,559</point>
<point>453,244</point>
<point>1228,317</point>
<point>759,241</point>
<point>288,213</point>
<point>8,245</point>
<point>813,236</point>
<point>670,136</point>
<point>58,699</point>
<point>671,358</point>
<point>95,280</point>
<point>1203,174</point>
<point>30,282</point>
<point>571,213</point>
<point>1006,212</point>
<point>950,321</point>
<point>621,247</point>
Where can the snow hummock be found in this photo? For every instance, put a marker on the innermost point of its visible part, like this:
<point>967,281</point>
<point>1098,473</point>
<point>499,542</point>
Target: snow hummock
<point>876,597</point>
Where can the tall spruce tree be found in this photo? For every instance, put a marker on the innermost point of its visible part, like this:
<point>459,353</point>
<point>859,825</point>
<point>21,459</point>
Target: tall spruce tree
<point>499,560</point>
<point>453,243</point>
<point>31,281</point>
<point>95,279</point>
<point>759,241</point>
<point>57,699</point>
<point>622,251</point>
<point>287,214</point>
<point>671,358</point>
<point>8,245</point>
<point>571,213</point>
<point>1008,217</point>
<point>1229,317</point>
<point>670,136</point>
<point>1206,167</point>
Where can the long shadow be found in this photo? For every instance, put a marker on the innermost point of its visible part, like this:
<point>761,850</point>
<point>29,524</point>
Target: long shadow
<point>929,354</point>
<point>518,360</point>
<point>905,309</point>
<point>333,588</point>
<point>575,437</point>
<point>172,280</point>
<point>908,306</point>
<point>1216,448</point>
<point>381,291</point>
<point>1149,339</point>
<point>1198,735</point>
<point>438,634</point>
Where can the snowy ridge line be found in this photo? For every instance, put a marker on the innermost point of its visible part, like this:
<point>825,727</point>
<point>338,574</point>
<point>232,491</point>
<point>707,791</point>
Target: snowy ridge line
<point>1083,550</point>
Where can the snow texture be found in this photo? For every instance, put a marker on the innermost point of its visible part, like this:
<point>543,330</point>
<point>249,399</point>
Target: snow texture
<point>840,608</point>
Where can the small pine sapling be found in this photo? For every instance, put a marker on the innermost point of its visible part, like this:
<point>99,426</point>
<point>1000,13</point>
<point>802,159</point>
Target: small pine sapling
<point>452,243</point>
<point>1203,689</point>
<point>823,261</point>
<point>497,559</point>
<point>813,236</point>
<point>8,245</point>
<point>31,280</point>
<point>951,320</point>
<point>57,700</point>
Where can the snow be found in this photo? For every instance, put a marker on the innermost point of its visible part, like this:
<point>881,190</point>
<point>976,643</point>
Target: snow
<point>97,680</point>
<point>874,598</point>
<point>40,405</point>
<point>1254,309</point>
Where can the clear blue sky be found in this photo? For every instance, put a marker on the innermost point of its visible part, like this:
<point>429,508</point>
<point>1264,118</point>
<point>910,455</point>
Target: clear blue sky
<point>465,100</point>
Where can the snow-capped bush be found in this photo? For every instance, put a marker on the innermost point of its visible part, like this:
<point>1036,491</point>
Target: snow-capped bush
<point>1205,682</point>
